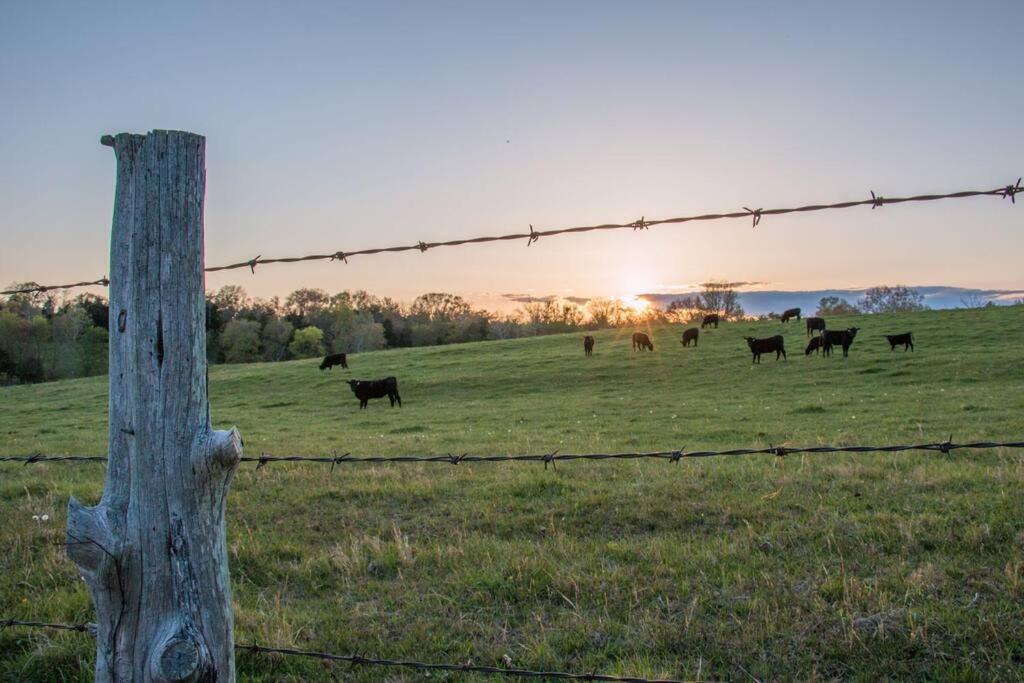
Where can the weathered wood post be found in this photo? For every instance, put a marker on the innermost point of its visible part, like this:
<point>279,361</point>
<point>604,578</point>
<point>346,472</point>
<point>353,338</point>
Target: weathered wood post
<point>153,551</point>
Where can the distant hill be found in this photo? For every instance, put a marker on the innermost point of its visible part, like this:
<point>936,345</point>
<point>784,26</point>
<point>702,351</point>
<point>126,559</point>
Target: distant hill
<point>766,301</point>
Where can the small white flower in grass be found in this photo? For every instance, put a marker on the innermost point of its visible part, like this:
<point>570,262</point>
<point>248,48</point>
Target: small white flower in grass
<point>507,661</point>
<point>35,518</point>
<point>45,518</point>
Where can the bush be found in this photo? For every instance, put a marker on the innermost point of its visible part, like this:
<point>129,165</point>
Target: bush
<point>307,343</point>
<point>241,341</point>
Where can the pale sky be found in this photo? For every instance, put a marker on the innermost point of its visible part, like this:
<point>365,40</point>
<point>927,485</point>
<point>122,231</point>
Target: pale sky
<point>341,126</point>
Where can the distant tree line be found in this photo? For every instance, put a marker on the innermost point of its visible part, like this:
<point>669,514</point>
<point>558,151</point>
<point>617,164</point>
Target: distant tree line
<point>48,336</point>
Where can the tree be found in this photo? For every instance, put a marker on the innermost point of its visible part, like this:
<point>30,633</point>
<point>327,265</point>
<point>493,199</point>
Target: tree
<point>442,306</point>
<point>886,299</point>
<point>363,334</point>
<point>304,302</point>
<point>229,300</point>
<point>276,335</point>
<point>685,309</point>
<point>96,307</point>
<point>722,298</point>
<point>241,341</point>
<point>307,343</point>
<point>67,330</point>
<point>605,312</point>
<point>834,305</point>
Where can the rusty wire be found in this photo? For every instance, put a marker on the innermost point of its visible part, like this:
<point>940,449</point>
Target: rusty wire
<point>102,282</point>
<point>672,456</point>
<point>875,201</point>
<point>360,660</point>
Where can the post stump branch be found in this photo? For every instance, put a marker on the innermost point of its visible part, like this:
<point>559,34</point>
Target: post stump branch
<point>153,551</point>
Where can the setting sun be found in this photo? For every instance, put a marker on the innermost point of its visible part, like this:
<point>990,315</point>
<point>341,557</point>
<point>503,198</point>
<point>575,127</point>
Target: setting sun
<point>635,303</point>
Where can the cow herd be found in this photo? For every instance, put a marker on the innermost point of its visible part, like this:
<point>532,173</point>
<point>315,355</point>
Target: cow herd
<point>822,339</point>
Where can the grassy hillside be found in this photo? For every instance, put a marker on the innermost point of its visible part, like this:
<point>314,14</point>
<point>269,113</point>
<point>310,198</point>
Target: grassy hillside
<point>902,565</point>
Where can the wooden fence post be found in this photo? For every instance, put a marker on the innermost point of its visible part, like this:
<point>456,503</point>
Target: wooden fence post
<point>153,550</point>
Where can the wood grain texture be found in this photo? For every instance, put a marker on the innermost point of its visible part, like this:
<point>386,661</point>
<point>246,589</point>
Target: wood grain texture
<point>153,551</point>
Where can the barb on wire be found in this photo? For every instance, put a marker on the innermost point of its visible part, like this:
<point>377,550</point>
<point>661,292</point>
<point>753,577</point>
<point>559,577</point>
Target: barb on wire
<point>1012,190</point>
<point>362,660</point>
<point>533,237</point>
<point>1009,191</point>
<point>756,213</point>
<point>672,456</point>
<point>876,201</point>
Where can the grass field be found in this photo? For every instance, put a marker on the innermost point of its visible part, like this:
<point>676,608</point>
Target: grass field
<point>812,568</point>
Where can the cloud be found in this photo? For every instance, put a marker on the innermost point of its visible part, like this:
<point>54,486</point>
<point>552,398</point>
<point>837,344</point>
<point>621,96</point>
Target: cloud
<point>531,299</point>
<point>734,285</point>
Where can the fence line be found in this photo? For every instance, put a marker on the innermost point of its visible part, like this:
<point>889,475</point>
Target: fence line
<point>876,201</point>
<point>360,660</point>
<point>673,456</point>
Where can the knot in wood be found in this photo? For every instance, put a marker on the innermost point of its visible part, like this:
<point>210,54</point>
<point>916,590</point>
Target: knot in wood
<point>179,662</point>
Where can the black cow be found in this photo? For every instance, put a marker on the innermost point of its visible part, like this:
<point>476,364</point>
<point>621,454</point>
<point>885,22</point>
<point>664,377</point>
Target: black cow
<point>690,335</point>
<point>588,345</point>
<point>842,338</point>
<point>815,325</point>
<point>907,339</point>
<point>790,313</point>
<point>365,389</point>
<point>642,341</point>
<point>813,346</point>
<point>709,319</point>
<point>332,360</point>
<point>767,345</point>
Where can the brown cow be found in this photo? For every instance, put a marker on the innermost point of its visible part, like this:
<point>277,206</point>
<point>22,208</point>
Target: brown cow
<point>642,341</point>
<point>588,345</point>
<point>709,319</point>
<point>690,335</point>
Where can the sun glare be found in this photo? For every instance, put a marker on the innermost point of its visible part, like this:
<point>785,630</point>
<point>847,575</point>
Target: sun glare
<point>634,303</point>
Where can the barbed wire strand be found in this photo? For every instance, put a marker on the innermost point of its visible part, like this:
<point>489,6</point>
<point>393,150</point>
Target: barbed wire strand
<point>360,660</point>
<point>551,458</point>
<point>534,235</point>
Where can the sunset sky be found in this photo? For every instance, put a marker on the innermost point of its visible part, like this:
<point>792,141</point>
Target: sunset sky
<point>342,126</point>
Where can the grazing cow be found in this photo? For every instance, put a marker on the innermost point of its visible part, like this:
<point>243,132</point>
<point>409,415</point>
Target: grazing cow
<point>842,338</point>
<point>709,319</point>
<point>690,335</point>
<point>815,325</point>
<point>813,346</point>
<point>365,389</point>
<point>642,341</point>
<point>588,345</point>
<point>790,313</point>
<point>766,345</point>
<point>332,360</point>
<point>907,339</point>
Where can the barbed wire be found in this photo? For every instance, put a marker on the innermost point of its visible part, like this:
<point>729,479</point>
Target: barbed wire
<point>643,223</point>
<point>102,282</point>
<point>672,456</point>
<point>360,660</point>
